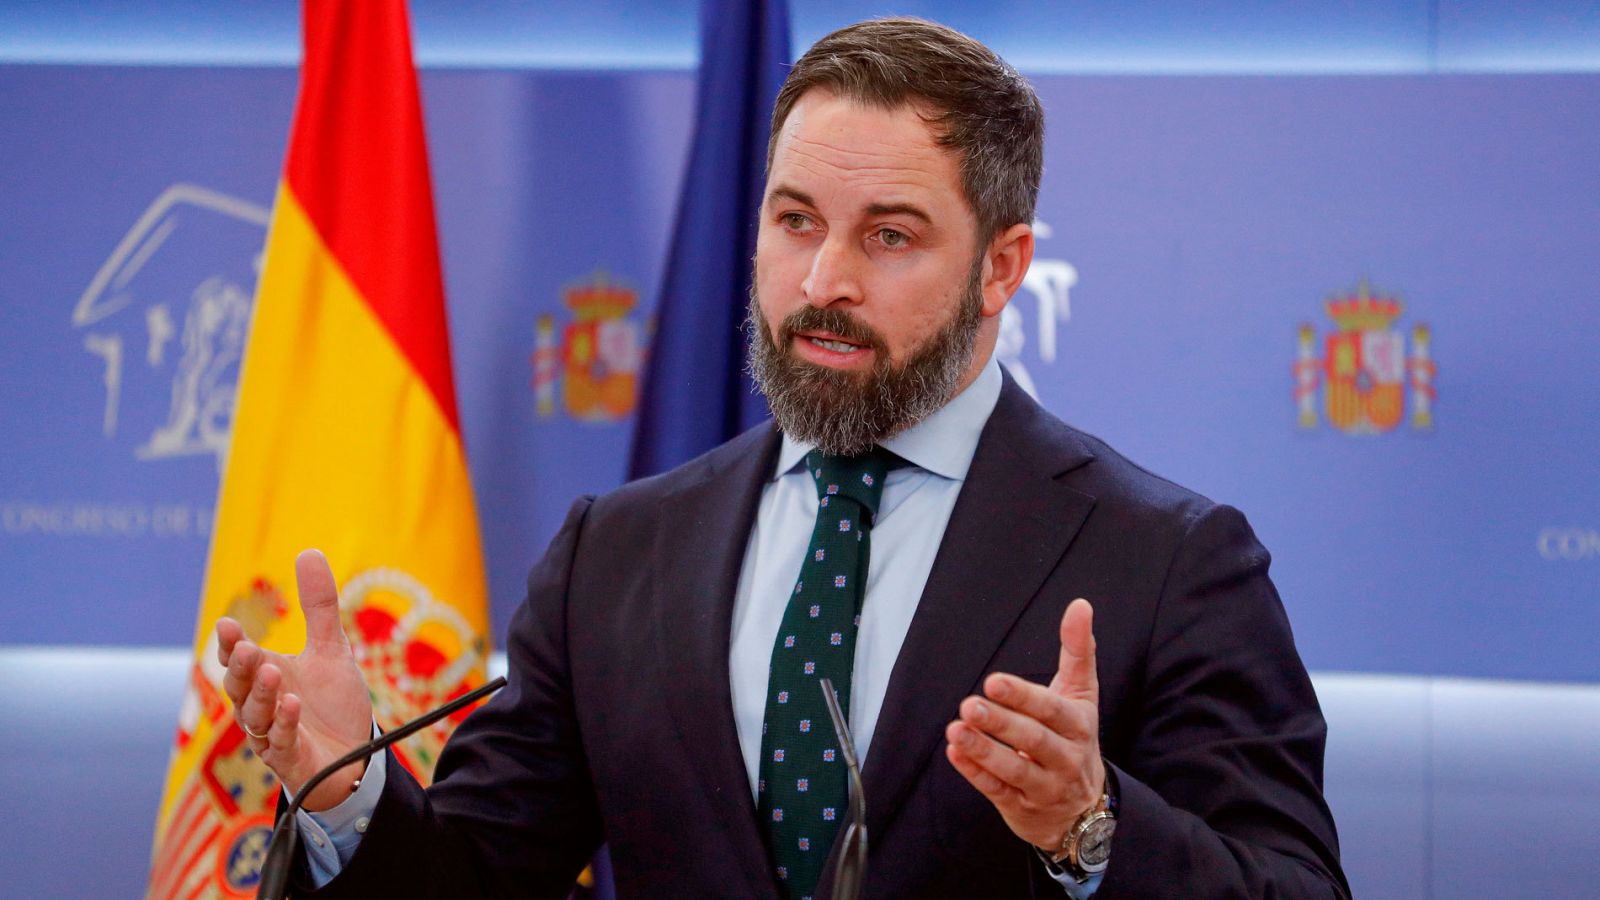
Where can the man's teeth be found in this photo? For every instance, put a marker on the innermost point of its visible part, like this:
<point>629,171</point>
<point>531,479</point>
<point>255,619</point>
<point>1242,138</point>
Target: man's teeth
<point>835,346</point>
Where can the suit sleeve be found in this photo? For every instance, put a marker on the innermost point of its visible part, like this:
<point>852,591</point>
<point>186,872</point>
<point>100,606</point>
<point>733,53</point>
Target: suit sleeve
<point>1221,788</point>
<point>512,810</point>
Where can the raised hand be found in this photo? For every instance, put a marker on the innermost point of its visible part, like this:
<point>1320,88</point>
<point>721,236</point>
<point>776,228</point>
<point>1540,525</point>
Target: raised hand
<point>301,712</point>
<point>1035,751</point>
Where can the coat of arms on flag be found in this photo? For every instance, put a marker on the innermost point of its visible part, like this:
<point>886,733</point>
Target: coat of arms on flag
<point>1366,372</point>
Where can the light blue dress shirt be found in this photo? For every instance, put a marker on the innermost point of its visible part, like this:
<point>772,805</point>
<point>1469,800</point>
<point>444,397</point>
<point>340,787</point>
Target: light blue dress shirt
<point>916,505</point>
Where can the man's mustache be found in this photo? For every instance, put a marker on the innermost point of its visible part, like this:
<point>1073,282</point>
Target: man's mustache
<point>835,321</point>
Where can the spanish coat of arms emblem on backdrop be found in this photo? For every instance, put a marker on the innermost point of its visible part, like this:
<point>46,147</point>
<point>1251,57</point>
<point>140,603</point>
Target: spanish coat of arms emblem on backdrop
<point>1367,374</point>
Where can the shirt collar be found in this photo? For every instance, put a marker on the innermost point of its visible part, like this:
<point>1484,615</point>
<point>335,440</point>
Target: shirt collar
<point>943,443</point>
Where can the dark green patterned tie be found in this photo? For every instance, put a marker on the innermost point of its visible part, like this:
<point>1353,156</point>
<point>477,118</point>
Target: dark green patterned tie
<point>803,786</point>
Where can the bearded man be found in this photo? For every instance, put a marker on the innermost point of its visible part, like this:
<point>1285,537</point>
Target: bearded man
<point>913,528</point>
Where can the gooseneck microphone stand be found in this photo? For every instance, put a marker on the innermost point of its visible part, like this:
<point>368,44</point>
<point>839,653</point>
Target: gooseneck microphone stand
<point>850,869</point>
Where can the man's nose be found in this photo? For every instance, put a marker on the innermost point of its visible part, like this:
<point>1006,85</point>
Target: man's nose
<point>835,275</point>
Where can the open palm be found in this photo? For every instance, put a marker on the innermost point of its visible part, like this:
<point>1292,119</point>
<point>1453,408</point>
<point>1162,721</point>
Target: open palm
<point>304,711</point>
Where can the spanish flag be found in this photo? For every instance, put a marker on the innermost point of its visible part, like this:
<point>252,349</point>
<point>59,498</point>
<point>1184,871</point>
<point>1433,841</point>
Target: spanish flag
<point>345,437</point>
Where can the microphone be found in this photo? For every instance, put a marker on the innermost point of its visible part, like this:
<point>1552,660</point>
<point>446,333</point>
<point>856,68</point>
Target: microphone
<point>286,834</point>
<point>850,870</point>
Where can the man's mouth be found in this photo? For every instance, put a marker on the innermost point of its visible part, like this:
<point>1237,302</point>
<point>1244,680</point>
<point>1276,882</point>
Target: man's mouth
<point>833,344</point>
<point>831,339</point>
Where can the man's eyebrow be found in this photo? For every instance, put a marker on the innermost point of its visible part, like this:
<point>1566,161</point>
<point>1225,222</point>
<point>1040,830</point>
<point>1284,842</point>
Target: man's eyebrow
<point>899,209</point>
<point>795,194</point>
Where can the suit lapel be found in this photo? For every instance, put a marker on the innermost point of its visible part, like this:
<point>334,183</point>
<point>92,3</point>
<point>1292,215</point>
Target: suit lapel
<point>1011,524</point>
<point>699,555</point>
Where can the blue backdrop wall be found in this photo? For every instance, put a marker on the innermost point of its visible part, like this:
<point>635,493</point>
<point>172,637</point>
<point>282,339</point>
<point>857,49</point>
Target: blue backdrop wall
<point>1210,242</point>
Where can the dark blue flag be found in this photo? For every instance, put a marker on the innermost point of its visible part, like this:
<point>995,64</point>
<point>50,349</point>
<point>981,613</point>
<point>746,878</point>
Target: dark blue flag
<point>696,393</point>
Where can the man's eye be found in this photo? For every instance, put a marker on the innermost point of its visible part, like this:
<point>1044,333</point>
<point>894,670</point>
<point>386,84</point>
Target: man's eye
<point>892,238</point>
<point>794,221</point>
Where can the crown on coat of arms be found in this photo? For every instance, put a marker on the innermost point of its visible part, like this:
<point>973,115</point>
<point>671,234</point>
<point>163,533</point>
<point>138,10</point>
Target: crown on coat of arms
<point>599,299</point>
<point>1363,311</point>
<point>416,653</point>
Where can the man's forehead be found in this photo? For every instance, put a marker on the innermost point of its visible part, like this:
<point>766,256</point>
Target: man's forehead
<point>830,141</point>
<point>912,117</point>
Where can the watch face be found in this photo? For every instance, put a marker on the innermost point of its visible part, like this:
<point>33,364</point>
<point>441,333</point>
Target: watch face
<point>1094,847</point>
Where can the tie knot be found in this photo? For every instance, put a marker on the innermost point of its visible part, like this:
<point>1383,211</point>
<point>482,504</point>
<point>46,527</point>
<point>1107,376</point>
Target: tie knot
<point>858,477</point>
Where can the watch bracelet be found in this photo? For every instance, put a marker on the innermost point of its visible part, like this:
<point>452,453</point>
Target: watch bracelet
<point>1110,797</point>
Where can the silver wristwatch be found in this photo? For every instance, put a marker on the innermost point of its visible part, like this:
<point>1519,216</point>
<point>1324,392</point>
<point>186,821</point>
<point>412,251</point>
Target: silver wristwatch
<point>1086,847</point>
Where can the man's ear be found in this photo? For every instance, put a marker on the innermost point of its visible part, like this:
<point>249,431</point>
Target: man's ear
<point>1004,264</point>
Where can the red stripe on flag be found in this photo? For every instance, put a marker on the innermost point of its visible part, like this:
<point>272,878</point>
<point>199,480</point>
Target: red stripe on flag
<point>198,872</point>
<point>186,868</point>
<point>358,163</point>
<point>191,812</point>
<point>201,887</point>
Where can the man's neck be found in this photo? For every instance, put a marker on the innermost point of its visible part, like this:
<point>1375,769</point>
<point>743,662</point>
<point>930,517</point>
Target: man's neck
<point>982,350</point>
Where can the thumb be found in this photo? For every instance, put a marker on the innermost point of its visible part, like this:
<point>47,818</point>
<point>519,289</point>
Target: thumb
<point>1076,678</point>
<point>319,598</point>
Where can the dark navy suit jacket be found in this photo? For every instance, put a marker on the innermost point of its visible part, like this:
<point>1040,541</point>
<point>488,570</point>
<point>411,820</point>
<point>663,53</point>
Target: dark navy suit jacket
<point>618,725</point>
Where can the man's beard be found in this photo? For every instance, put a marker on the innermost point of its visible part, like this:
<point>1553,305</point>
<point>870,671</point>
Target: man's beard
<point>845,413</point>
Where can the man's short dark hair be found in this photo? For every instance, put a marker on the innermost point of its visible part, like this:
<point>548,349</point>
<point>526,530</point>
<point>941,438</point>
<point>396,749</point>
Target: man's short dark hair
<point>978,105</point>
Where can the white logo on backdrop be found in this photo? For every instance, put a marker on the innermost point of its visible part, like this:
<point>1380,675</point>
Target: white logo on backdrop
<point>1569,543</point>
<point>195,332</point>
<point>1050,281</point>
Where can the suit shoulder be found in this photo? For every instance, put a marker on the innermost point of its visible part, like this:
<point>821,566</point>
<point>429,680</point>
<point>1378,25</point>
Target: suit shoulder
<point>1147,503</point>
<point>728,459</point>
<point>1114,476</point>
<point>1120,487</point>
<point>1041,442</point>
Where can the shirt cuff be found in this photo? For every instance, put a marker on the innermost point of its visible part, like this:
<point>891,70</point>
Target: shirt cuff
<point>1074,889</point>
<point>331,836</point>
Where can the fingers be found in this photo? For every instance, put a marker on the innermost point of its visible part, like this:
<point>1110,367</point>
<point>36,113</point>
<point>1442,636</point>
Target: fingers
<point>244,658</point>
<point>1022,733</point>
<point>319,598</point>
<point>964,747</point>
<point>259,709</point>
<point>1076,678</point>
<point>1015,771</point>
<point>282,735</point>
<point>1061,715</point>
<point>229,633</point>
<point>1030,718</point>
